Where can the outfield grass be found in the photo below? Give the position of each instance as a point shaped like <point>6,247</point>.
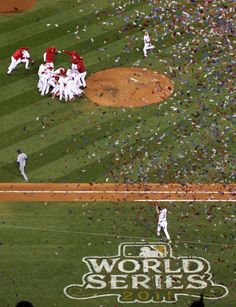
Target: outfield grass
<point>42,245</point>
<point>188,138</point>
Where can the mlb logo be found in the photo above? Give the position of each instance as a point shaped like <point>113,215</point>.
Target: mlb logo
<point>145,250</point>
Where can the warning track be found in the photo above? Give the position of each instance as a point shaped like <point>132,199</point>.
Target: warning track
<point>116,192</point>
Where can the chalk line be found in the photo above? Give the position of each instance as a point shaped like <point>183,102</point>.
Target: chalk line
<point>120,236</point>
<point>112,192</point>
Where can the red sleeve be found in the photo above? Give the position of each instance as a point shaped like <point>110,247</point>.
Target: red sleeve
<point>68,52</point>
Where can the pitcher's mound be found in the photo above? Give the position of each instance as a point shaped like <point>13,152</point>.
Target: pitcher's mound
<point>128,87</point>
<point>15,6</point>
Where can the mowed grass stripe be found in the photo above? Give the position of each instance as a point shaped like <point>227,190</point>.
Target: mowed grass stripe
<point>21,100</point>
<point>7,118</point>
<point>61,138</point>
<point>58,134</point>
<point>62,144</point>
<point>190,135</point>
<point>40,117</point>
<point>12,21</point>
<point>49,13</point>
<point>85,45</point>
<point>96,152</point>
<point>114,48</point>
<point>67,20</point>
<point>180,120</point>
<point>168,157</point>
<point>23,85</point>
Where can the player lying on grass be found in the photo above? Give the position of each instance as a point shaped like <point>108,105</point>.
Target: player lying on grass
<point>162,222</point>
<point>21,55</point>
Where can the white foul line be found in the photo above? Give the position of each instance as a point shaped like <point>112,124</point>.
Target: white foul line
<point>113,192</point>
<point>185,200</point>
<point>120,236</point>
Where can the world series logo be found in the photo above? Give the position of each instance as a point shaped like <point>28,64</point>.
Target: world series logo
<point>146,272</point>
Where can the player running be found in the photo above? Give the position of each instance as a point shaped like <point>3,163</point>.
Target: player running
<point>147,44</point>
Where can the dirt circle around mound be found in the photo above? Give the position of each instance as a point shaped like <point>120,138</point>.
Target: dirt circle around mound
<point>16,6</point>
<point>128,87</point>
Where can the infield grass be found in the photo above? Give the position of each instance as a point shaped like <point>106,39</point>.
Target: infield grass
<point>187,138</point>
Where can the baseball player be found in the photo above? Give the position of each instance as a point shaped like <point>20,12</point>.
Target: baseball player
<point>41,71</point>
<point>62,84</point>
<point>47,81</point>
<point>21,160</point>
<point>49,56</point>
<point>21,55</point>
<point>147,44</point>
<point>162,222</point>
<point>82,73</point>
<point>75,57</point>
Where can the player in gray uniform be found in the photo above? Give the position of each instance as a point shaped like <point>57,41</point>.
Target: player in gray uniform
<point>21,160</point>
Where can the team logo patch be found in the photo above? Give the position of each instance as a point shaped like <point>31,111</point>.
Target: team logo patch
<point>146,272</point>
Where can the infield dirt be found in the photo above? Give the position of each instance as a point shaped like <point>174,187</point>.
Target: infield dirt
<point>128,87</point>
<point>16,6</point>
<point>116,192</point>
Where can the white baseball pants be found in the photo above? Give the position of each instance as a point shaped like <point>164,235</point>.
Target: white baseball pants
<point>163,225</point>
<point>82,78</point>
<point>147,47</point>
<point>13,64</point>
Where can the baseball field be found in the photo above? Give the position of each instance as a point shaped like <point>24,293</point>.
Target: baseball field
<point>157,128</point>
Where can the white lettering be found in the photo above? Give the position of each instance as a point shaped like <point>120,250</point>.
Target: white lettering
<point>135,264</point>
<point>115,279</point>
<point>168,269</point>
<point>151,264</point>
<point>158,279</point>
<point>136,282</point>
<point>201,283</point>
<point>106,264</point>
<point>170,279</point>
<point>96,279</point>
<point>187,263</point>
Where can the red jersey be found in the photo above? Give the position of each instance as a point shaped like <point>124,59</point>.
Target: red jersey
<point>18,53</point>
<point>50,54</point>
<point>80,66</point>
<point>75,58</point>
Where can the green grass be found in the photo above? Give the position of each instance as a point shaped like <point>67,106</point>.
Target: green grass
<point>187,138</point>
<point>42,245</point>
<point>76,141</point>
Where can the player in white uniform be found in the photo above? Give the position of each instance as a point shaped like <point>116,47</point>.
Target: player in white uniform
<point>162,222</point>
<point>147,44</point>
<point>21,160</point>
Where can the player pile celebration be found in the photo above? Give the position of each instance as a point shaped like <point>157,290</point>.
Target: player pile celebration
<point>65,84</point>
